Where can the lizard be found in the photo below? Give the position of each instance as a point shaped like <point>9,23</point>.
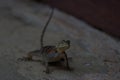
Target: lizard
<point>50,53</point>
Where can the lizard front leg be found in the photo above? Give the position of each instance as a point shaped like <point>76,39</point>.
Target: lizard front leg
<point>47,71</point>
<point>66,61</point>
<point>45,61</point>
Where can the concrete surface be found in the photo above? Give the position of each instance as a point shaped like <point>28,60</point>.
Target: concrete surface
<point>95,55</point>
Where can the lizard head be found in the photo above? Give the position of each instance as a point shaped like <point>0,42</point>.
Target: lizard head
<point>63,45</point>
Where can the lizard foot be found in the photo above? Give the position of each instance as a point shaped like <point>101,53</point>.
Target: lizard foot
<point>24,59</point>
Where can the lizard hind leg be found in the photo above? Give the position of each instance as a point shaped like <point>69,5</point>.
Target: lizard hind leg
<point>30,55</point>
<point>27,58</point>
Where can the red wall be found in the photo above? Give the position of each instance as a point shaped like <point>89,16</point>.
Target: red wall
<point>103,14</point>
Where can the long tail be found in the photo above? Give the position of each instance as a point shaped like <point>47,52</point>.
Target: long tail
<point>44,29</point>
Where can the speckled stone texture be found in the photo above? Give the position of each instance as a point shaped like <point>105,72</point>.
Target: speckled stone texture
<point>94,54</point>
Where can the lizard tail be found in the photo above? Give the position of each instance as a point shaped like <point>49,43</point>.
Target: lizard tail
<point>44,29</point>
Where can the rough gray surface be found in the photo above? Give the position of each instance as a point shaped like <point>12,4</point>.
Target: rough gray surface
<point>21,24</point>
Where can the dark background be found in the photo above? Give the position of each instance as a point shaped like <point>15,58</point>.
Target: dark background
<point>102,14</point>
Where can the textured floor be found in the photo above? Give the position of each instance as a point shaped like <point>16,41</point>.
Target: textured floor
<point>95,55</point>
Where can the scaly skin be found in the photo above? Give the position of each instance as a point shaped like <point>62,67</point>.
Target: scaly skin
<point>51,54</point>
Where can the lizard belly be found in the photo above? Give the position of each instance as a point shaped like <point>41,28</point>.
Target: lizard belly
<point>53,57</point>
